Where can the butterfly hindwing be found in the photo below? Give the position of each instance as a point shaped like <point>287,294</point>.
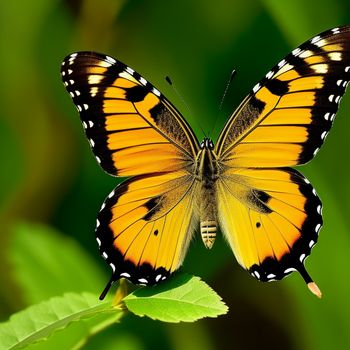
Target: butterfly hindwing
<point>124,117</point>
<point>145,225</point>
<point>271,218</point>
<point>286,118</point>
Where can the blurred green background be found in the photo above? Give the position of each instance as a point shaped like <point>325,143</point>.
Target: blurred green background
<point>52,188</point>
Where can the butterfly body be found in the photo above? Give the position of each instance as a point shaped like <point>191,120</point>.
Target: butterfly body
<point>207,173</point>
<point>269,213</point>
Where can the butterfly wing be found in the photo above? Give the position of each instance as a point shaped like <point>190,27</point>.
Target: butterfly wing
<point>144,226</point>
<point>271,218</point>
<point>282,122</point>
<point>132,128</point>
<point>286,118</point>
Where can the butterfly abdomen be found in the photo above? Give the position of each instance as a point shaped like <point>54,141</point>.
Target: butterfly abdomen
<point>208,232</point>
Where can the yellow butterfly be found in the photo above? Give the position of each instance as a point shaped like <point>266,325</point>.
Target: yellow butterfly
<point>269,213</point>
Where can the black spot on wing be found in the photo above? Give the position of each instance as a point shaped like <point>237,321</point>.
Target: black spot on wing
<point>136,93</point>
<point>259,200</point>
<point>151,207</point>
<point>157,112</point>
<point>277,87</point>
<point>257,104</point>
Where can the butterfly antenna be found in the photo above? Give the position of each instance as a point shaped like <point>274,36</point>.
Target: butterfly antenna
<point>232,75</point>
<point>169,81</point>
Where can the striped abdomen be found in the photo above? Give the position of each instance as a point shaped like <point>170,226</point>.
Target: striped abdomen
<point>208,232</point>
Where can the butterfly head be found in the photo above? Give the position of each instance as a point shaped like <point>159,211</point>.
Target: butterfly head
<point>207,143</point>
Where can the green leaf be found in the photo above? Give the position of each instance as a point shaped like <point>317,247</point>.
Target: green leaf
<point>48,263</point>
<point>182,298</point>
<point>39,322</point>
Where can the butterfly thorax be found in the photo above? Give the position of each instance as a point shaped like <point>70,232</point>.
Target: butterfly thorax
<point>206,175</point>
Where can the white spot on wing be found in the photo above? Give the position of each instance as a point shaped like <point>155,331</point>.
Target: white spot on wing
<point>158,277</point>
<point>104,255</point>
<point>143,81</point>
<point>156,92</point>
<point>111,194</point>
<point>347,68</point>
<point>270,74</point>
<point>111,60</point>
<point>97,223</point>
<point>94,91</point>
<point>317,228</point>
<point>256,87</point>
<point>327,115</point>
<point>112,266</point>
<point>296,51</point>
<point>319,208</point>
<point>92,142</point>
<point>311,244</point>
<point>257,274</point>
<point>323,135</point>
<point>281,63</point>
<point>271,275</point>
<point>315,39</point>
<point>129,70</point>
<point>302,257</point>
<point>330,98</point>
<point>98,241</point>
<point>142,280</point>
<point>290,269</point>
<point>320,68</point>
<point>124,274</point>
<point>335,56</point>
<point>339,82</point>
<point>94,79</point>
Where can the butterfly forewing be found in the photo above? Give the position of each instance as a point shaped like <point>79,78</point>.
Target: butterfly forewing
<point>286,118</point>
<point>124,117</point>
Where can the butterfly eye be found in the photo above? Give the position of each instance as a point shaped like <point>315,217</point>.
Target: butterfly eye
<point>202,145</point>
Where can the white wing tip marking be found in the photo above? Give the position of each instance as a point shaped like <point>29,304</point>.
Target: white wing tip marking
<point>125,274</point>
<point>256,88</point>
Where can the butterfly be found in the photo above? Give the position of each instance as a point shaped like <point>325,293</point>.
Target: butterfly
<point>269,212</point>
